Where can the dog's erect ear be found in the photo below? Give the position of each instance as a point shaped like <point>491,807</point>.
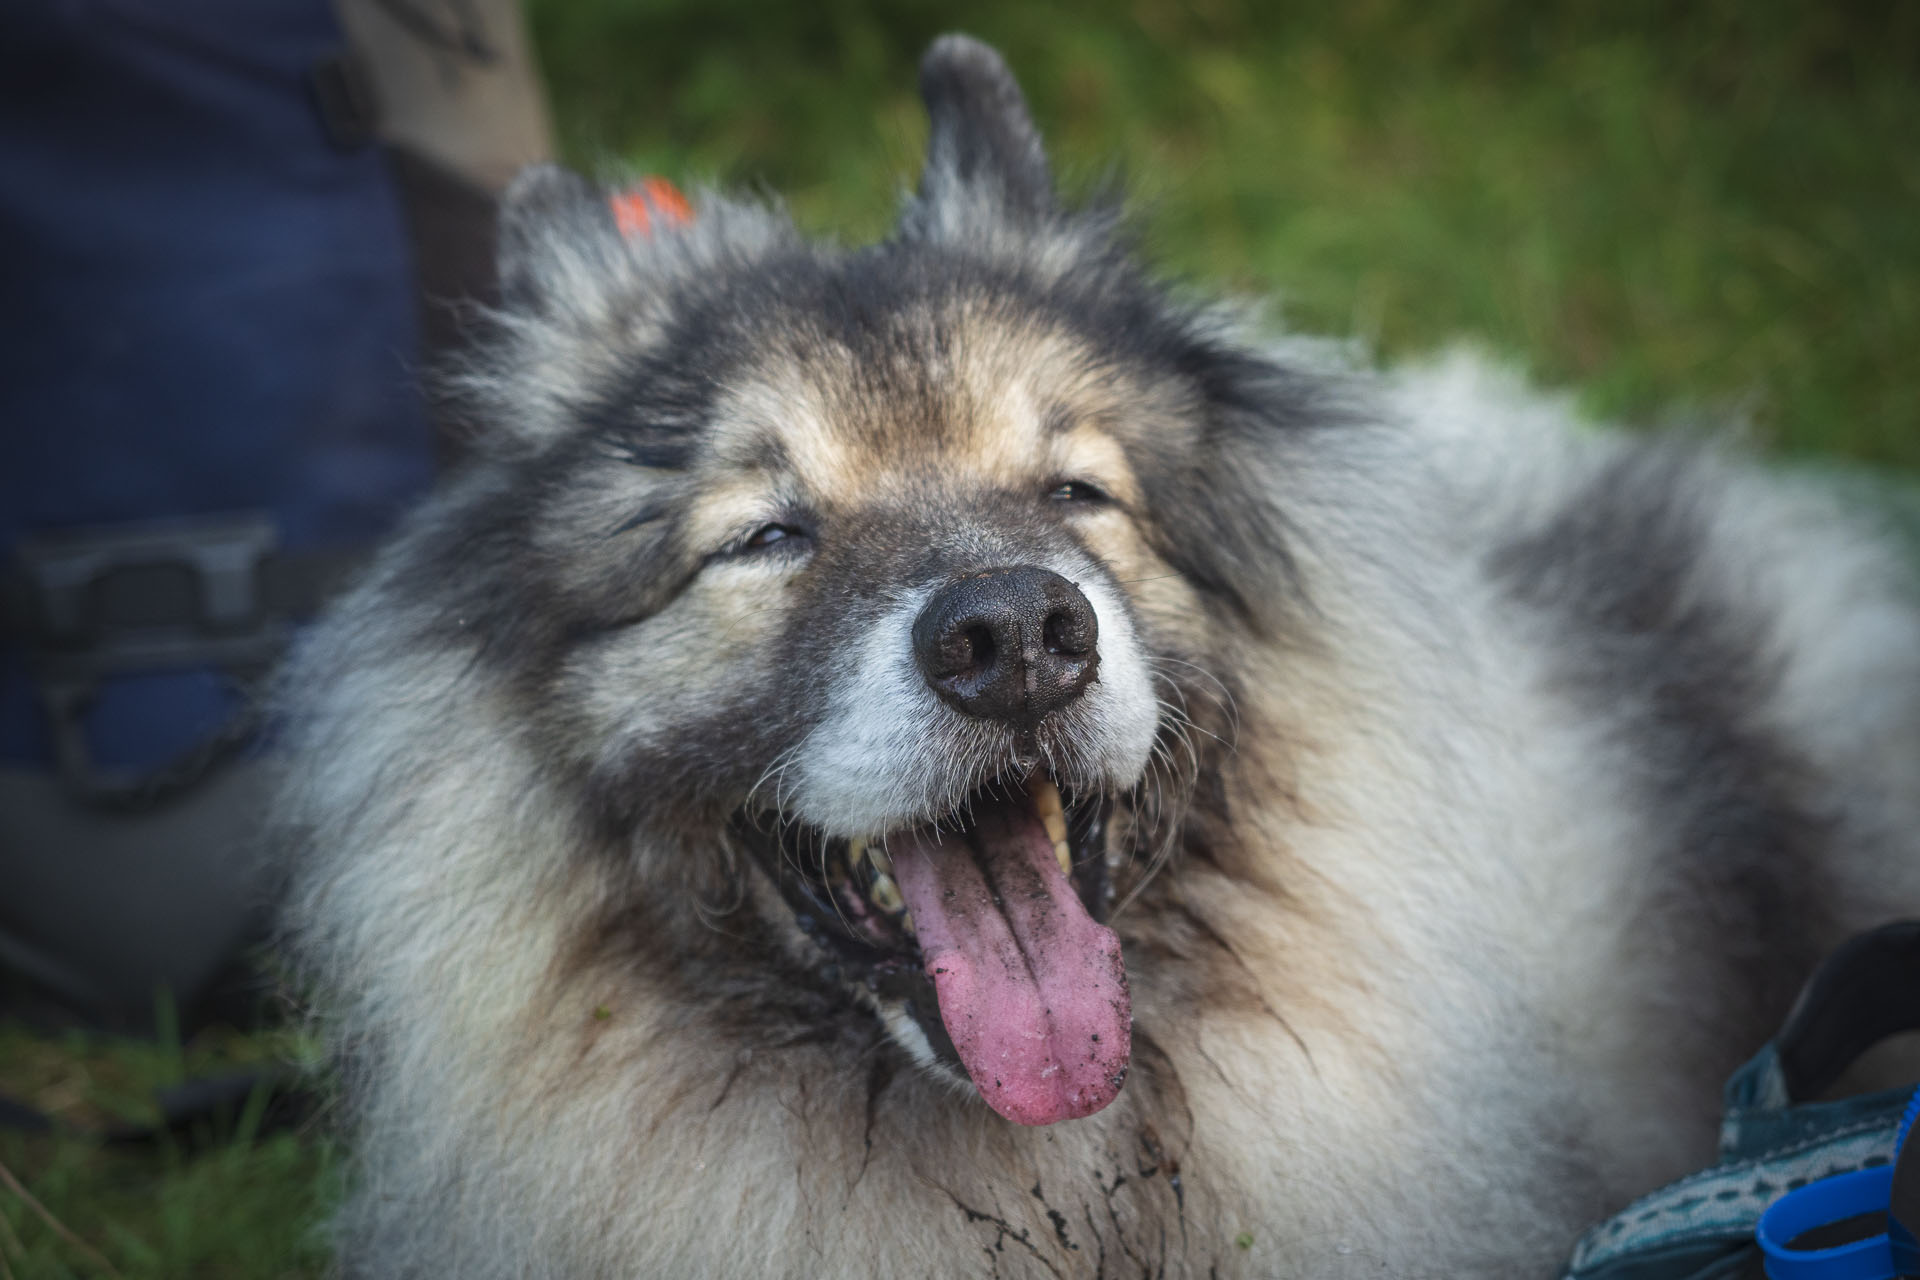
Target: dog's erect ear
<point>560,248</point>
<point>984,157</point>
<point>569,287</point>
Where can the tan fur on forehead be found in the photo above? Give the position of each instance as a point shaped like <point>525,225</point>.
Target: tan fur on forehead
<point>790,406</point>
<point>1000,402</point>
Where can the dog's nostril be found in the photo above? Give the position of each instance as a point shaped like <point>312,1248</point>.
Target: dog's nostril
<point>980,647</point>
<point>955,651</point>
<point>1067,633</point>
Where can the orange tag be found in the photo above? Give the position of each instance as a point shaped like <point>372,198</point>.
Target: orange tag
<point>635,208</point>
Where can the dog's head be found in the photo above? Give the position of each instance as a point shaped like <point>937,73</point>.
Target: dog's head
<point>893,574</point>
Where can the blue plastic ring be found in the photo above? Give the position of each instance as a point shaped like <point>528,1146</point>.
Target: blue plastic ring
<point>1832,1199</point>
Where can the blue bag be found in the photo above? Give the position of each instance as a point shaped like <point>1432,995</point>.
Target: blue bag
<point>209,405</point>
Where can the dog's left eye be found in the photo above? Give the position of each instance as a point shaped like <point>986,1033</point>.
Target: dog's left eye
<point>1077,491</point>
<point>772,535</point>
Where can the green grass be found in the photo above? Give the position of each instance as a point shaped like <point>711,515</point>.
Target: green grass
<point>1710,208</point>
<point>223,1205</point>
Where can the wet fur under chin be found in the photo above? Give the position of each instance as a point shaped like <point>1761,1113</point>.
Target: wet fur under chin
<point>1556,758</point>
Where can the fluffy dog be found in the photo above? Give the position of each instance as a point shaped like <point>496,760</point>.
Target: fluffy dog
<point>944,758</point>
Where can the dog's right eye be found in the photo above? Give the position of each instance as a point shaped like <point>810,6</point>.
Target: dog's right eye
<point>1078,491</point>
<point>776,540</point>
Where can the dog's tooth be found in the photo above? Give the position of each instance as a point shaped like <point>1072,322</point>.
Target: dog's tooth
<point>1063,856</point>
<point>1046,802</point>
<point>886,894</point>
<point>878,857</point>
<point>906,923</point>
<point>856,851</point>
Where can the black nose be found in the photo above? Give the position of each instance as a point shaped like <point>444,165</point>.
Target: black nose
<point>1009,644</point>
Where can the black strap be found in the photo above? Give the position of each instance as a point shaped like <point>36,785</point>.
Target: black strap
<point>199,1111</point>
<point>17,1115</point>
<point>343,99</point>
<point>1865,991</point>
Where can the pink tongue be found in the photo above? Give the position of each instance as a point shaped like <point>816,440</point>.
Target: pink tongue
<point>1033,992</point>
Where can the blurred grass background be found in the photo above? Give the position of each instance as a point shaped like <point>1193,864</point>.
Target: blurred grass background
<point>217,1204</point>
<point>1711,208</point>
<point>1665,206</point>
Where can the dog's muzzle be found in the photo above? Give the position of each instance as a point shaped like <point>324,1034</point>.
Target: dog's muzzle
<point>982,911</point>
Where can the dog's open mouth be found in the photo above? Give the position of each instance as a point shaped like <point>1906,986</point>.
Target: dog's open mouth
<point>990,917</point>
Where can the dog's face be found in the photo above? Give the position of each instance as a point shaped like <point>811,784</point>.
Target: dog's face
<point>904,622</point>
<point>899,570</point>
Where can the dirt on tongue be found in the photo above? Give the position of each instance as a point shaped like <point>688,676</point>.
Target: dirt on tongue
<point>1032,991</point>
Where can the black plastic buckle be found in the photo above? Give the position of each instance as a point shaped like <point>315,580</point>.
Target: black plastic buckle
<point>129,598</point>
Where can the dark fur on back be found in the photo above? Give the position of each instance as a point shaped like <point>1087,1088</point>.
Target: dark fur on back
<point>1683,671</point>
